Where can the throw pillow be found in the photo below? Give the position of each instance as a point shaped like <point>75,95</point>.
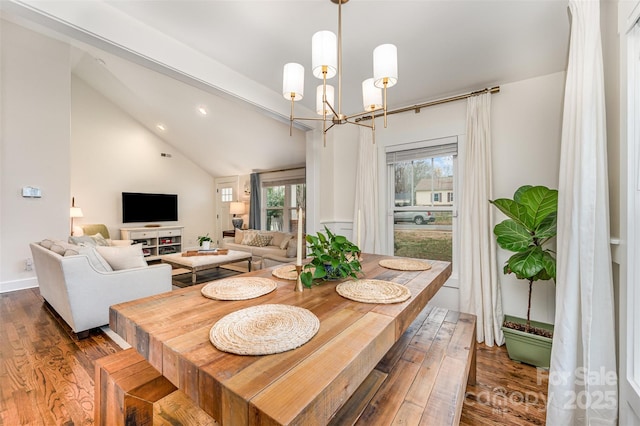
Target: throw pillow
<point>277,238</point>
<point>98,262</point>
<point>71,252</point>
<point>84,241</point>
<point>58,248</point>
<point>123,257</point>
<point>46,243</point>
<point>238,236</point>
<point>89,240</point>
<point>248,237</point>
<point>285,242</point>
<point>261,240</point>
<point>292,247</point>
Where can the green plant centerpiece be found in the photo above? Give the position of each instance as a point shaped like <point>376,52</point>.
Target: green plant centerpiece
<point>203,238</point>
<point>332,257</point>
<point>533,214</point>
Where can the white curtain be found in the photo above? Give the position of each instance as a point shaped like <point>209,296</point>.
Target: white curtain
<point>479,289</point>
<point>584,335</point>
<point>365,212</point>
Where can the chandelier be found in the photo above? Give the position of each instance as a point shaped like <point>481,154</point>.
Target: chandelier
<point>326,61</point>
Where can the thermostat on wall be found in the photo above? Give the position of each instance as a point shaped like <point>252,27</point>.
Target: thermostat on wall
<point>31,192</point>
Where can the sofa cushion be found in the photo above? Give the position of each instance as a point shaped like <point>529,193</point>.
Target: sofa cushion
<point>261,240</point>
<point>272,250</point>
<point>285,241</point>
<point>238,236</point>
<point>123,257</point>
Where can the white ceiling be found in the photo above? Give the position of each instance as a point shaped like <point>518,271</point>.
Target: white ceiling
<point>444,47</point>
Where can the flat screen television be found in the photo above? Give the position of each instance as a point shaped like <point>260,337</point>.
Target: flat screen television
<point>141,207</point>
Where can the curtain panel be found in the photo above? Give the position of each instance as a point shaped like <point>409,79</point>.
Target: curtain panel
<point>582,376</point>
<point>479,288</point>
<point>254,205</point>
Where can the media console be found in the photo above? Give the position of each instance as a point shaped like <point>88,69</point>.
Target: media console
<point>156,241</point>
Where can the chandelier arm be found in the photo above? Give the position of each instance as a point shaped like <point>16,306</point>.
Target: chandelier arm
<point>360,124</point>
<point>360,114</point>
<point>308,118</point>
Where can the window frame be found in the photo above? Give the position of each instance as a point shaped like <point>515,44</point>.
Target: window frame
<point>436,144</point>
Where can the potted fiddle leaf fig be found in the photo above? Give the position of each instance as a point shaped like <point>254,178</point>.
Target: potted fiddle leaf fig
<point>529,232</point>
<point>332,256</point>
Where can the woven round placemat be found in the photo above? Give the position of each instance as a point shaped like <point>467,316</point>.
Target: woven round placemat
<point>238,288</point>
<point>287,272</point>
<point>405,264</point>
<point>264,329</point>
<point>373,291</point>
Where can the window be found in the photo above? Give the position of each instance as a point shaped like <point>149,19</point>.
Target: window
<point>226,195</point>
<point>423,223</point>
<point>282,194</point>
<point>282,202</point>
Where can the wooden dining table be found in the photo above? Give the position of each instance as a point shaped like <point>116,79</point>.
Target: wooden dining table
<point>306,385</point>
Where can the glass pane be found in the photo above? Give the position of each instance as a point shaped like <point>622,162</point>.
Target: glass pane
<point>423,234</point>
<point>275,196</point>
<point>274,220</point>
<point>418,232</point>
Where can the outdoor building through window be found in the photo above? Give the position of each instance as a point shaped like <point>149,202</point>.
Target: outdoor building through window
<point>423,182</point>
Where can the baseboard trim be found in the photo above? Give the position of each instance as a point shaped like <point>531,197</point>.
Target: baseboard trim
<point>7,286</point>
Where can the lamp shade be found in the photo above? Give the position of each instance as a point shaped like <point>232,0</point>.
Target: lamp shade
<point>385,65</point>
<point>371,96</point>
<point>75,212</point>
<point>324,52</point>
<point>320,104</point>
<point>293,81</point>
<point>236,207</point>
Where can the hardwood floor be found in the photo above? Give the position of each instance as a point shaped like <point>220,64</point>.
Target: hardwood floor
<point>47,376</point>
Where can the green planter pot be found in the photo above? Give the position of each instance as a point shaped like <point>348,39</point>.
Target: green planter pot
<point>525,347</point>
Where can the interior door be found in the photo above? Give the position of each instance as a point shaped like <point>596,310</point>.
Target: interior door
<point>226,192</point>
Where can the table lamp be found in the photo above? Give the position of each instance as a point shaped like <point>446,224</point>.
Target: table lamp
<point>74,212</point>
<point>235,208</point>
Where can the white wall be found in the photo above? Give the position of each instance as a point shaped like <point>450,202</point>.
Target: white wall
<point>34,147</point>
<point>111,153</point>
<point>526,125</point>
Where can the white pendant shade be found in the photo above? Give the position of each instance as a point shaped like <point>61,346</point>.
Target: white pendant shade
<point>385,65</point>
<point>371,95</point>
<point>320,104</point>
<point>324,52</point>
<point>293,81</point>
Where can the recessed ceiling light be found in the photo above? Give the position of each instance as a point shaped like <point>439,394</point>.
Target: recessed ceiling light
<point>161,127</point>
<point>203,110</point>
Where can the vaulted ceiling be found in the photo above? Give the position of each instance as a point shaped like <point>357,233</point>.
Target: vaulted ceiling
<point>444,48</point>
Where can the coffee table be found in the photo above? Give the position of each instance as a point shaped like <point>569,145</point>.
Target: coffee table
<point>204,262</point>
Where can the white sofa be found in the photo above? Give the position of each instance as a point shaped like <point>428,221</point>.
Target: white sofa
<point>280,249</point>
<point>82,295</point>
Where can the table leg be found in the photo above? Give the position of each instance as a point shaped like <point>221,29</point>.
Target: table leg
<point>193,276</point>
<point>249,263</point>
